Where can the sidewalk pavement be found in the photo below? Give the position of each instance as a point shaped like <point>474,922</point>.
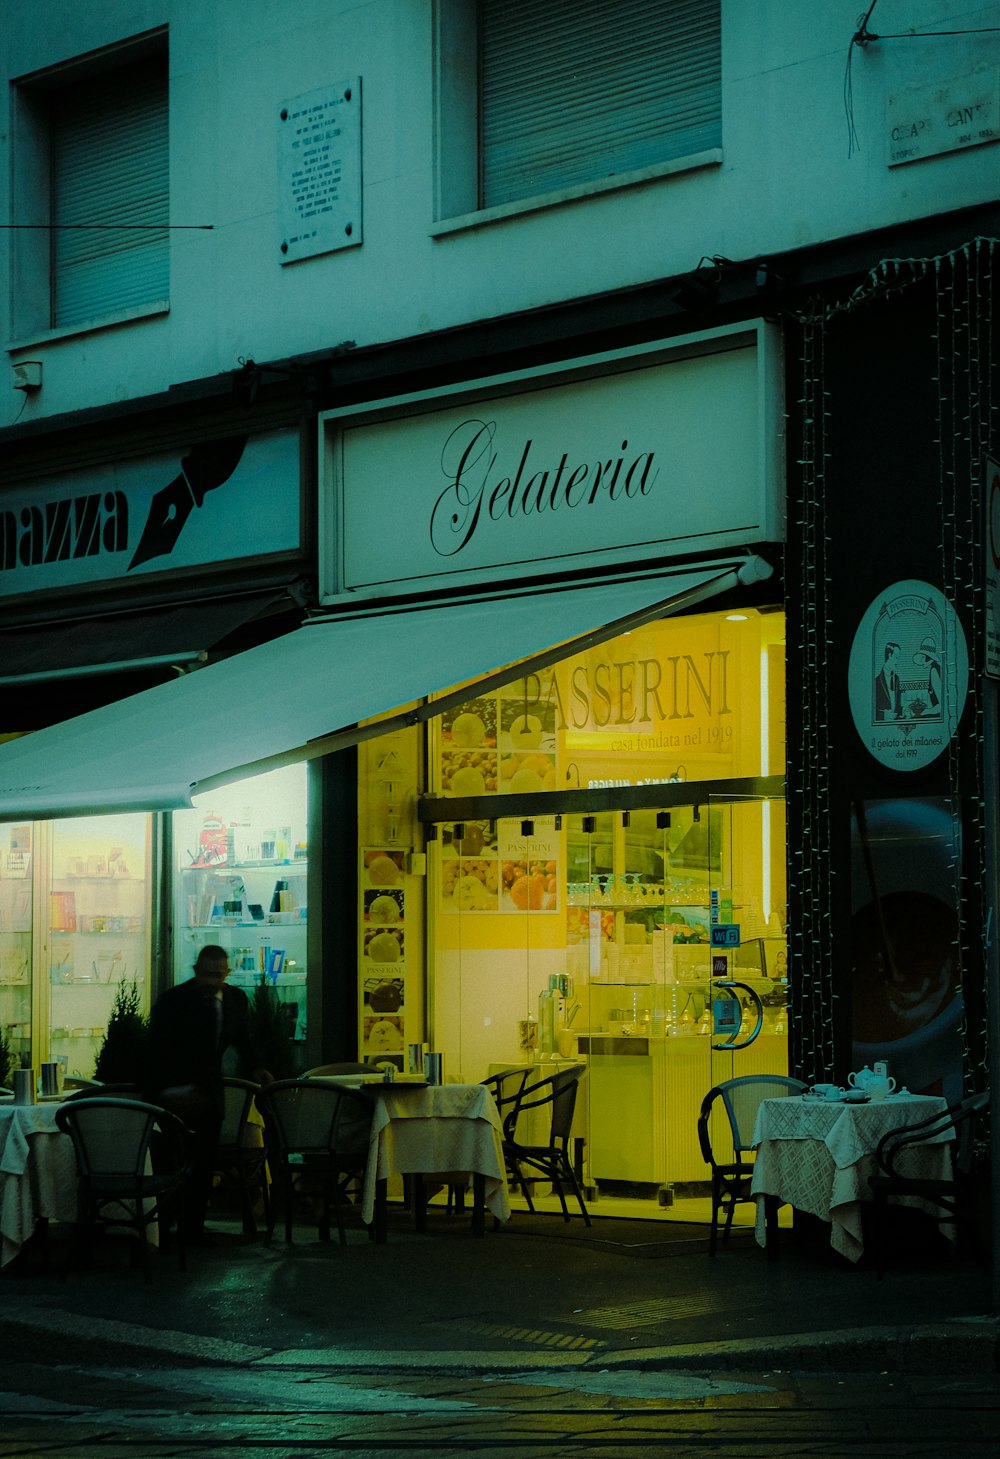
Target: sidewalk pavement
<point>536,1293</point>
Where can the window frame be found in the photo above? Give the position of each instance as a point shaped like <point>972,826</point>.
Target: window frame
<point>31,255</point>
<point>457,139</point>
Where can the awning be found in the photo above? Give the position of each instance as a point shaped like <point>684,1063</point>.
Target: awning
<point>303,695</point>
<point>117,642</point>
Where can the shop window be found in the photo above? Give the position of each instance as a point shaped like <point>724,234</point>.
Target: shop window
<point>573,95</point>
<point>91,170</point>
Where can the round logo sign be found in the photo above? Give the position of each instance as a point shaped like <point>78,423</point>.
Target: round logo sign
<point>909,675</point>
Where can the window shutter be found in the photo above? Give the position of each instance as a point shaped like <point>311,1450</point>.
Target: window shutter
<point>109,168</point>
<point>576,90</point>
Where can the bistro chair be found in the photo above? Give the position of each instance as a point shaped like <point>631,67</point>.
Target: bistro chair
<point>328,1071</point>
<point>241,1157</point>
<point>103,1091</point>
<point>317,1138</point>
<point>132,1160</point>
<point>740,1099</point>
<point>948,1202</point>
<point>506,1089</point>
<point>550,1161</point>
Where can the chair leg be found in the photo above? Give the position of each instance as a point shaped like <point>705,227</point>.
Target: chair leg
<point>713,1235</point>
<point>574,1185</point>
<point>771,1239</point>
<point>878,1212</point>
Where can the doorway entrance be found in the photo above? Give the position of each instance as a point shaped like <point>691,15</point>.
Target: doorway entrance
<point>647,945</point>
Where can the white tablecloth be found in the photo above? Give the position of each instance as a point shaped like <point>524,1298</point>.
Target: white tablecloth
<point>436,1130</point>
<point>37,1173</point>
<point>817,1156</point>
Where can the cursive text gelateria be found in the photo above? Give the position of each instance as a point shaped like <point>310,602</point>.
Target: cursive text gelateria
<point>476,493</point>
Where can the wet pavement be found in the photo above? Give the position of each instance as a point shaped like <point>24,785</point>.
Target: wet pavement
<point>539,1339</point>
<point>535,1286</point>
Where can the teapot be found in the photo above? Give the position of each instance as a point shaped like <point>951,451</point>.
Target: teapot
<point>870,1082</point>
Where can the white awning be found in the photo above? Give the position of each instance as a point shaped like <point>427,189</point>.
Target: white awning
<point>303,695</point>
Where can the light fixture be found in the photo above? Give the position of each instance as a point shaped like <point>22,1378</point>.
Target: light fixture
<point>696,813</point>
<point>626,818</point>
<point>589,825</point>
<point>736,617</point>
<point>527,828</point>
<point>663,820</point>
<point>558,823</point>
<point>458,831</point>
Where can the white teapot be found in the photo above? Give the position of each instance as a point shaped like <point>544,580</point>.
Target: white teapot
<point>869,1082</point>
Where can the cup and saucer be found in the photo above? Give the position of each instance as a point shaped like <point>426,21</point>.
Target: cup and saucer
<point>830,1093</point>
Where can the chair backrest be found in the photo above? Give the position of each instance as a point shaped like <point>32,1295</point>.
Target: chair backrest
<point>506,1089</point>
<point>959,1121</point>
<point>315,1117</point>
<point>560,1091</point>
<point>106,1091</point>
<point>741,1099</point>
<point>112,1137</point>
<point>325,1070</point>
<point>238,1095</point>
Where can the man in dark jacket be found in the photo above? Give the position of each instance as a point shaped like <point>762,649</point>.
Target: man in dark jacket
<point>191,1027</point>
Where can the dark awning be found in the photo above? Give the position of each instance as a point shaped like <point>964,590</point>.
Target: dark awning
<point>117,642</point>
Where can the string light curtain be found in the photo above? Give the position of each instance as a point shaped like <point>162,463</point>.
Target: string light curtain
<point>960,285</point>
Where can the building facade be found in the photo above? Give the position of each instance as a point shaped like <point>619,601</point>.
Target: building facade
<point>492,408</point>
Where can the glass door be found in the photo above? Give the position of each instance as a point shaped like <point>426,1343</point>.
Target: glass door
<point>749,961</point>
<point>240,882</point>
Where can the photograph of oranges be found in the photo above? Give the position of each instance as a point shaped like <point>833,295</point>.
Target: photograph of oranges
<point>529,886</point>
<point>525,772</point>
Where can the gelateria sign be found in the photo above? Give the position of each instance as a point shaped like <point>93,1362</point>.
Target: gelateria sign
<point>616,459</point>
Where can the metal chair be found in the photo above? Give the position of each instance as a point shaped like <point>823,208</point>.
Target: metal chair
<point>326,1071</point>
<point>131,1159</point>
<point>104,1091</point>
<point>241,1156</point>
<point>317,1138</point>
<point>506,1089</point>
<point>953,1198</point>
<point>740,1099</point>
<point>550,1161</point>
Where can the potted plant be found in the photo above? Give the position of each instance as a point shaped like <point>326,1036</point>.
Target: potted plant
<point>271,1044</point>
<point>122,1054</point>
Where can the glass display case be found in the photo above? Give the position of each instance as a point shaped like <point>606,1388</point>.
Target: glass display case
<point>240,882</point>
<point>75,923</point>
<point>15,940</point>
<point>99,916</point>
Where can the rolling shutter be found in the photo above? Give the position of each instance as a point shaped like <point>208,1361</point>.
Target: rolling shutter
<point>576,90</point>
<point>110,199</point>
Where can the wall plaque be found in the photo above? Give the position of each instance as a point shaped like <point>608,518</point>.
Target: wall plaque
<point>319,172</point>
<point>923,121</point>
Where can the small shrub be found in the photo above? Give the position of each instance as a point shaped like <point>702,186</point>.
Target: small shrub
<point>122,1054</point>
